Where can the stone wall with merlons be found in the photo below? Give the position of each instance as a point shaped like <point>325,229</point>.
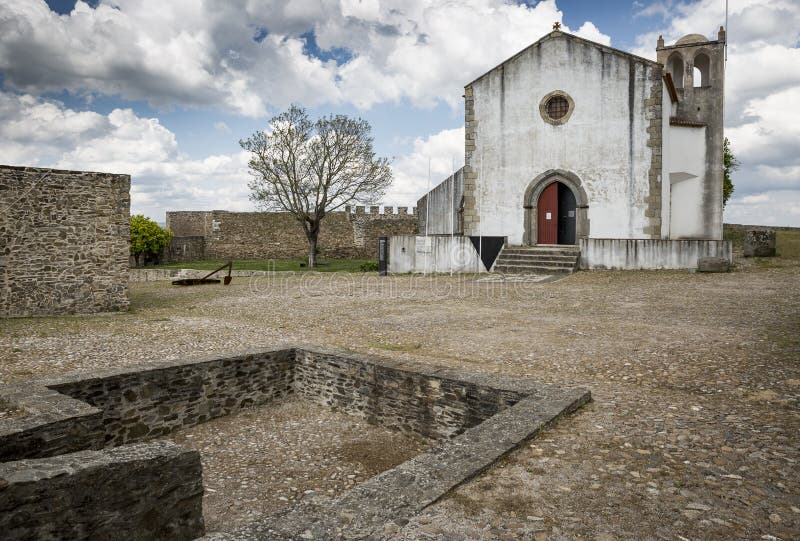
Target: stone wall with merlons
<point>278,235</point>
<point>64,241</point>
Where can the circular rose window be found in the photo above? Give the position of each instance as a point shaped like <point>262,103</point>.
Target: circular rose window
<point>556,107</point>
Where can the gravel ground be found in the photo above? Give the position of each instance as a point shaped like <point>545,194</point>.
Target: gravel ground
<point>263,460</point>
<point>694,432</point>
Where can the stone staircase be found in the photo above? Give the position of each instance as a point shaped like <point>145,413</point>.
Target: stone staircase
<point>543,259</point>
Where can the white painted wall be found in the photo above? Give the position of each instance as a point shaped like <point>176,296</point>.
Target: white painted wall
<point>420,254</point>
<point>599,143</point>
<point>633,254</point>
<point>685,154</point>
<point>667,105</point>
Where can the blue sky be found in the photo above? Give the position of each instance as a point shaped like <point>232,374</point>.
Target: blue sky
<point>164,90</point>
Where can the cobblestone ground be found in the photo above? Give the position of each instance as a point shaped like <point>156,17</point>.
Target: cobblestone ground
<point>694,432</point>
<point>263,460</point>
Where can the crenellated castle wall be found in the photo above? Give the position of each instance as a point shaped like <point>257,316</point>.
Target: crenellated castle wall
<point>219,234</point>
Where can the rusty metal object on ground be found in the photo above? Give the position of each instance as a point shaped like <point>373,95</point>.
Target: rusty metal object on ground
<point>207,278</point>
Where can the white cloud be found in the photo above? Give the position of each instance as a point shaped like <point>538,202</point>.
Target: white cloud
<point>44,133</point>
<point>189,53</point>
<point>163,178</point>
<point>761,209</point>
<point>222,127</point>
<point>443,151</point>
<point>750,199</point>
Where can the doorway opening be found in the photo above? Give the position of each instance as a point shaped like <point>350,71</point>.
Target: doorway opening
<point>556,215</point>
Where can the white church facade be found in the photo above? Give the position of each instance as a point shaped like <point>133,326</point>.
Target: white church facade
<point>574,143</point>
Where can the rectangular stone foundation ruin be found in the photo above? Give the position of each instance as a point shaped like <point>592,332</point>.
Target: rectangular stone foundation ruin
<point>79,461</point>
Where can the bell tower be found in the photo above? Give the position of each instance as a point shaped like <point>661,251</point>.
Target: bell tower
<point>696,67</point>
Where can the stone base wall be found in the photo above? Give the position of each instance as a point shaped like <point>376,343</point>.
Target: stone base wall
<point>633,254</point>
<point>64,241</point>
<point>278,235</point>
<point>146,491</point>
<point>434,254</point>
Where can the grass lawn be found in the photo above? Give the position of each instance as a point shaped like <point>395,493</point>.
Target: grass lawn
<point>323,265</point>
<point>787,242</point>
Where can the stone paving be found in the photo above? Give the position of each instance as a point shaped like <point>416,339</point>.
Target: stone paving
<point>693,432</point>
<point>294,450</point>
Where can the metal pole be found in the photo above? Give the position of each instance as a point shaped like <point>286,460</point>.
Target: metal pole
<point>480,212</point>
<point>453,196</point>
<point>427,218</point>
<point>428,199</point>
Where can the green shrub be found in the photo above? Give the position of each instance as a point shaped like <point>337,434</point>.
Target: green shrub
<point>369,266</point>
<point>148,238</point>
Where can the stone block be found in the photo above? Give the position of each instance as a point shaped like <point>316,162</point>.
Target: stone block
<point>759,243</point>
<point>713,264</point>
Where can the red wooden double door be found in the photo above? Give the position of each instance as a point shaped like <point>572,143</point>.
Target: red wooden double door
<point>555,211</point>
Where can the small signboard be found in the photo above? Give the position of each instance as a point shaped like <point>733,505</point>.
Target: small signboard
<point>549,216</point>
<point>424,245</point>
<point>383,262</point>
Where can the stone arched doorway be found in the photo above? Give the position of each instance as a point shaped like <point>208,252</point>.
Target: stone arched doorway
<point>562,189</point>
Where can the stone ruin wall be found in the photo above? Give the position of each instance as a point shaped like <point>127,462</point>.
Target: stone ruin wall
<point>221,234</point>
<point>64,241</point>
<point>95,429</point>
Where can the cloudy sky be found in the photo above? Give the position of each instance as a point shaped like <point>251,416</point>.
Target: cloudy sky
<point>164,89</point>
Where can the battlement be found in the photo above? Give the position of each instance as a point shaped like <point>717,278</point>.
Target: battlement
<point>376,210</point>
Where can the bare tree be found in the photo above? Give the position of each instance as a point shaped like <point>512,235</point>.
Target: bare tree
<point>312,168</point>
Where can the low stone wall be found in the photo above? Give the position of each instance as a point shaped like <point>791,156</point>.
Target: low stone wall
<point>83,425</point>
<point>64,241</point>
<point>378,507</point>
<point>633,254</point>
<point>144,491</point>
<point>142,403</point>
<point>54,423</point>
<point>157,275</point>
<point>398,396</point>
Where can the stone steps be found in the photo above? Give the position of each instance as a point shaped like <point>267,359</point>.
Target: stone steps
<point>537,260</point>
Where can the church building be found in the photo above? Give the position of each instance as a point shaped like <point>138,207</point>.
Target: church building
<point>576,144</point>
